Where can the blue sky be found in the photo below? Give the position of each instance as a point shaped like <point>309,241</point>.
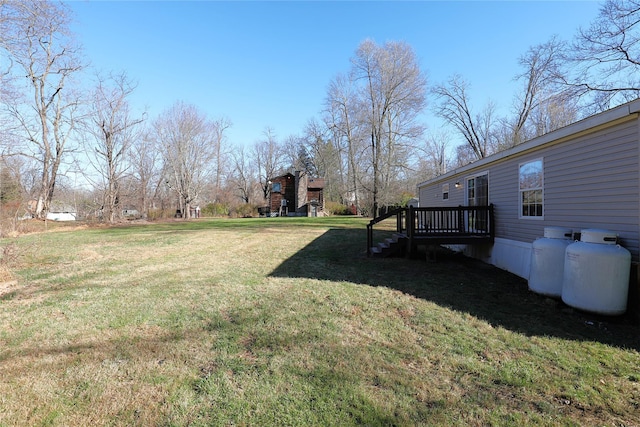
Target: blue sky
<point>265,64</point>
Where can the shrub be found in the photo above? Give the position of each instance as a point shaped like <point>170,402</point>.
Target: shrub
<point>154,214</point>
<point>246,210</point>
<point>215,209</point>
<point>335,208</point>
<point>404,199</point>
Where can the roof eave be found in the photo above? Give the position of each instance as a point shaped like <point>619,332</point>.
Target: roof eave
<point>576,128</point>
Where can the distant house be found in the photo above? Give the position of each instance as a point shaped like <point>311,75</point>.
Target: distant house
<point>62,213</point>
<point>313,204</point>
<point>585,175</point>
<point>58,211</point>
<point>131,213</point>
<point>296,195</point>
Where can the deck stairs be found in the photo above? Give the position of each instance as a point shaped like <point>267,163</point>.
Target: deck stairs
<point>459,225</point>
<point>394,246</point>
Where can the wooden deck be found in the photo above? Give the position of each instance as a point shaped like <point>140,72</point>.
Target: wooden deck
<point>469,225</point>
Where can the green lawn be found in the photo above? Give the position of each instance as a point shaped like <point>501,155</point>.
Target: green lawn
<point>285,321</point>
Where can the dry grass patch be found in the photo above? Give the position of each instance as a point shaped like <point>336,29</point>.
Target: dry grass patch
<point>8,284</point>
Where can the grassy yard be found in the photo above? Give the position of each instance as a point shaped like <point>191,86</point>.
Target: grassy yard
<point>285,321</point>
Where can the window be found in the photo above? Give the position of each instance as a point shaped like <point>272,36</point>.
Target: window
<point>445,191</point>
<point>531,189</point>
<point>276,187</point>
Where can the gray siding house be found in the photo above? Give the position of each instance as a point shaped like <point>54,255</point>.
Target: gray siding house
<point>585,175</point>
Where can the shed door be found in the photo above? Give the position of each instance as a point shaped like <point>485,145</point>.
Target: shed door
<point>477,195</point>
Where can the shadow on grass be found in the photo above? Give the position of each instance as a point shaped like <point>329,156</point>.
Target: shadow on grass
<point>459,283</point>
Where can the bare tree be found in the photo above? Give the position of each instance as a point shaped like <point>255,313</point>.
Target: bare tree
<point>541,71</point>
<point>243,176</point>
<point>186,139</point>
<point>113,129</point>
<point>464,155</point>
<point>268,158</point>
<point>554,112</point>
<point>145,159</point>
<point>436,162</point>
<point>325,156</point>
<point>312,142</point>
<point>454,108</point>
<point>46,58</point>
<point>221,155</point>
<point>11,17</point>
<point>12,192</point>
<point>295,154</point>
<point>605,57</point>
<point>392,95</point>
<point>346,128</point>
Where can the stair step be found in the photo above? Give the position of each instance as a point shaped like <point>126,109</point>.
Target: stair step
<point>391,246</point>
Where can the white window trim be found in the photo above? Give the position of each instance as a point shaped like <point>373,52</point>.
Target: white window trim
<point>530,218</point>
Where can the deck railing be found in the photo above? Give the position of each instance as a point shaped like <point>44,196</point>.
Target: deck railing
<point>455,224</point>
<point>459,221</point>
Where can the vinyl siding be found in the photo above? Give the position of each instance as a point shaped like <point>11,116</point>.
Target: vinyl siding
<point>432,196</point>
<point>590,181</point>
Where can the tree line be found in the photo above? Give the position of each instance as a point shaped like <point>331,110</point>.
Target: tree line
<point>369,141</point>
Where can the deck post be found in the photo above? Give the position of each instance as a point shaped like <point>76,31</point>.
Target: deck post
<point>492,229</point>
<point>411,222</point>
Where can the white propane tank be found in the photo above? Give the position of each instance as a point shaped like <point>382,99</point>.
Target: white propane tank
<point>596,273</point>
<point>547,261</point>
